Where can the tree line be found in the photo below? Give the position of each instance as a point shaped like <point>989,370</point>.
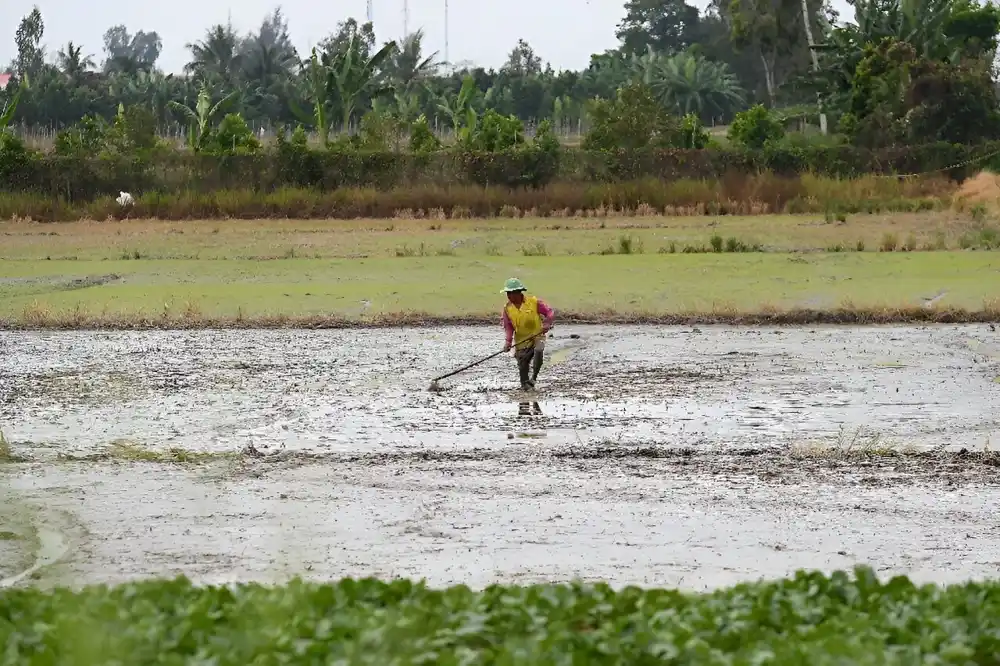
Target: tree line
<point>904,71</point>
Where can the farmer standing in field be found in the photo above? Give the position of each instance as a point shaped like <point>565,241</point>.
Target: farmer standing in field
<point>526,320</point>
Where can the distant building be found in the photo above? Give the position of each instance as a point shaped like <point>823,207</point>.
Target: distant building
<point>4,80</point>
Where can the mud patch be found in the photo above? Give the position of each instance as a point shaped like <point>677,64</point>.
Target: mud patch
<point>89,281</point>
<point>682,521</point>
<point>19,539</point>
<point>56,283</point>
<point>366,391</point>
<point>77,387</point>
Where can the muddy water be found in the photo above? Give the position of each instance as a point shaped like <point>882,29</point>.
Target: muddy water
<point>366,390</point>
<point>664,456</point>
<point>630,521</point>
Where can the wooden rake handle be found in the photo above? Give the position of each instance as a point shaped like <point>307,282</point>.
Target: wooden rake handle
<point>482,360</point>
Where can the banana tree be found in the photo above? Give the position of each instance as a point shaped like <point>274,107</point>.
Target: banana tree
<point>352,76</point>
<point>317,88</point>
<point>203,116</point>
<point>460,108</point>
<point>9,107</point>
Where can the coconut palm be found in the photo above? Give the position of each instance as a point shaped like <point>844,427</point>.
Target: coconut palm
<point>216,58</point>
<point>73,63</point>
<point>268,55</point>
<point>408,68</point>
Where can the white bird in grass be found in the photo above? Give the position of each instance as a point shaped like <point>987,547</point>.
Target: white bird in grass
<point>125,199</point>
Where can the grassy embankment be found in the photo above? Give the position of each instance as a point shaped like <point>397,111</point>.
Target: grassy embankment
<point>147,273</point>
<point>809,618</point>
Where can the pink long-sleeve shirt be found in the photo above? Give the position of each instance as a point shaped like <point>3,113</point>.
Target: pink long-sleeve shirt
<point>508,325</point>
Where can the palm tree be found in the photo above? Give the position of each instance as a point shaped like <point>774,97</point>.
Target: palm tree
<point>407,68</point>
<point>73,63</point>
<point>351,76</point>
<point>687,83</point>
<point>216,58</point>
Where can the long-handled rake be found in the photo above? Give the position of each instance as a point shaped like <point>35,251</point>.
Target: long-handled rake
<point>434,382</point>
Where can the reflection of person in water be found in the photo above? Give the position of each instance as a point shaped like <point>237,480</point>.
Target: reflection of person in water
<point>529,409</point>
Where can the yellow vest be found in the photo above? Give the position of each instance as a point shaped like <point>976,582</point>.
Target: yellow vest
<point>526,320</point>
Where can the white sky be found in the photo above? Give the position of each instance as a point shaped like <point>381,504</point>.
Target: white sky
<point>563,32</point>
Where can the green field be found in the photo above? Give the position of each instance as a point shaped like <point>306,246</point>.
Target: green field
<point>69,274</point>
<point>493,237</point>
<point>457,286</point>
<point>811,618</point>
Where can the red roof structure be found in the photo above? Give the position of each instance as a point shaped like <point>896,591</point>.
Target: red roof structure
<point>4,80</point>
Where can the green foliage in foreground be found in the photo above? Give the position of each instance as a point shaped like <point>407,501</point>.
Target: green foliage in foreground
<point>811,618</point>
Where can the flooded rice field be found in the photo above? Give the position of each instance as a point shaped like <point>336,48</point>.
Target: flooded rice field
<point>659,456</point>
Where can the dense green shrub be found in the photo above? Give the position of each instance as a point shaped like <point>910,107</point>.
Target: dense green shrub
<point>292,163</point>
<point>899,96</point>
<point>692,133</point>
<point>756,128</point>
<point>422,137</point>
<point>232,137</point>
<point>822,620</point>
<point>633,120</point>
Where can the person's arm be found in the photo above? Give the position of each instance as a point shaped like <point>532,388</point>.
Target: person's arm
<point>508,330</point>
<point>548,315</point>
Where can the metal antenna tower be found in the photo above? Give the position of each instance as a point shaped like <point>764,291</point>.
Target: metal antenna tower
<point>446,61</point>
<point>406,18</point>
<point>371,11</point>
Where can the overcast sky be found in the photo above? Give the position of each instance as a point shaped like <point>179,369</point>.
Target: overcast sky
<point>562,32</point>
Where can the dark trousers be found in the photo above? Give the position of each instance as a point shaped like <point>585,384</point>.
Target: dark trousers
<point>528,359</point>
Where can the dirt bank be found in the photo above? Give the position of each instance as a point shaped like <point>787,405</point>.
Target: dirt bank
<point>73,320</point>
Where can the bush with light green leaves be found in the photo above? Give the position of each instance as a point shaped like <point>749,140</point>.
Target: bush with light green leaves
<point>811,618</point>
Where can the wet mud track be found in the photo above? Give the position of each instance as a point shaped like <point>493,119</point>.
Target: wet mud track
<point>668,456</point>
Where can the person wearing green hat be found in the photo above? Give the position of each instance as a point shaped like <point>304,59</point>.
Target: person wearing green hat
<point>526,321</point>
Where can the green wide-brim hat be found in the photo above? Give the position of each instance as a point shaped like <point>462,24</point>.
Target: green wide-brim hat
<point>513,284</point>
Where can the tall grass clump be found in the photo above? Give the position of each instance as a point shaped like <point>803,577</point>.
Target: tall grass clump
<point>627,244</point>
<point>6,451</point>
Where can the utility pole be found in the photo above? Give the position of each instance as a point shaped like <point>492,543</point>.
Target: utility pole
<point>815,59</point>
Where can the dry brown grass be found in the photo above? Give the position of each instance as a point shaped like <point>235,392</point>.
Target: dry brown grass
<point>39,317</point>
<point>981,190</point>
<point>733,194</point>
